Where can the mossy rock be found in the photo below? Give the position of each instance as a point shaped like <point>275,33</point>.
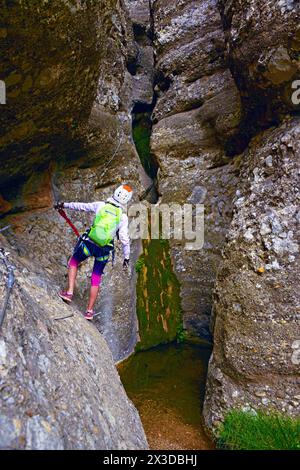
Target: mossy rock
<point>158,296</point>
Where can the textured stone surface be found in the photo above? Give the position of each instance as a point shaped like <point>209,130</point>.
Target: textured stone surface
<point>59,386</point>
<point>257,299</point>
<point>50,64</point>
<point>190,64</point>
<point>217,74</point>
<point>100,156</point>
<point>198,108</point>
<point>142,65</point>
<point>263,44</point>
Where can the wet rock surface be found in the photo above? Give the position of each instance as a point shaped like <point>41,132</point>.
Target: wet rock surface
<point>59,387</point>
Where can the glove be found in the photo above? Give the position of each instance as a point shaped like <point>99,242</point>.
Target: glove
<point>126,263</point>
<point>58,205</point>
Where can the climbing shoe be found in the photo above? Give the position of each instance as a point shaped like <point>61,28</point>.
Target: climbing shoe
<point>89,315</point>
<point>66,296</point>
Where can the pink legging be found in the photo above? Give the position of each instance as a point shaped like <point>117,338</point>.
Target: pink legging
<point>97,270</point>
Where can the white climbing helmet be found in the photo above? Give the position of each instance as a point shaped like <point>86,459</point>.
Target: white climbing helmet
<point>123,194</point>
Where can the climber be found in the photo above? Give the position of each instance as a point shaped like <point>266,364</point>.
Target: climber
<point>97,242</point>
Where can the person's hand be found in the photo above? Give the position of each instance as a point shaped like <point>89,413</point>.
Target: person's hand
<point>126,264</point>
<point>58,206</point>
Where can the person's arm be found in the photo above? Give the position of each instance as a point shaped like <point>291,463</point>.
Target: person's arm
<point>124,236</point>
<point>83,206</point>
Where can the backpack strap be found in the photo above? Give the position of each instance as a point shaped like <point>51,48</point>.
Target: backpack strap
<point>115,205</point>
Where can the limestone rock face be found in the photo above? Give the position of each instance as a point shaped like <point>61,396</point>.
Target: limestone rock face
<point>263,43</point>
<point>142,67</point>
<point>203,79</point>
<point>190,65</point>
<point>197,109</point>
<point>255,361</point>
<point>50,65</point>
<point>100,155</point>
<point>256,333</point>
<point>59,387</point>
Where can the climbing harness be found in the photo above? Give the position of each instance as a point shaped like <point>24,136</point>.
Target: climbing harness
<point>85,237</point>
<point>9,284</point>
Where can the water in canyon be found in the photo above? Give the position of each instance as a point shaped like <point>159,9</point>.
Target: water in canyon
<point>167,386</point>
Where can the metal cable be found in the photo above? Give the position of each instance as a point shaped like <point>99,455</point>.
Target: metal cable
<point>63,318</point>
<point>9,284</point>
<point>111,158</point>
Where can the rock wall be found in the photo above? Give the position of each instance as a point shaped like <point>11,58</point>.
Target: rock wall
<point>196,112</point>
<point>59,387</point>
<point>262,40</point>
<point>51,55</point>
<point>86,161</point>
<point>209,83</point>
<point>68,78</point>
<point>256,297</point>
<point>256,333</point>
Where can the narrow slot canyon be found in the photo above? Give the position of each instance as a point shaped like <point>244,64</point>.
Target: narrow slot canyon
<point>188,103</point>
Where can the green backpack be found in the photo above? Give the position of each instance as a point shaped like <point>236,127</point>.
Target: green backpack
<point>105,224</point>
